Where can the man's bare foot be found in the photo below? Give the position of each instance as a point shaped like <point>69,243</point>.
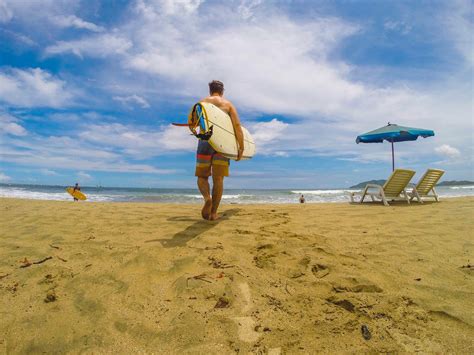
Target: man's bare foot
<point>206,210</point>
<point>214,216</point>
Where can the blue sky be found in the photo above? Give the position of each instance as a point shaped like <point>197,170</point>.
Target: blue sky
<point>88,89</point>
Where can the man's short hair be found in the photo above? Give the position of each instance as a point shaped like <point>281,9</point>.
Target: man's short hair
<point>216,86</point>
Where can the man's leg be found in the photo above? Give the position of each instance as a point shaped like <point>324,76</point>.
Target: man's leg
<point>203,185</point>
<point>217,190</point>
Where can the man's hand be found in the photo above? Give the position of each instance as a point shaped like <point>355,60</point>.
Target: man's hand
<point>239,135</point>
<point>239,153</point>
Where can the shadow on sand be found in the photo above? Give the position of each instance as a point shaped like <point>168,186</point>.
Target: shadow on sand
<point>181,238</point>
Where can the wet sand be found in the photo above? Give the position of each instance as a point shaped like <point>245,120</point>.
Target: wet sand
<point>123,277</point>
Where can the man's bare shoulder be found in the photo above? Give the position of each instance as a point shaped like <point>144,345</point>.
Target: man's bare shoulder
<point>223,104</point>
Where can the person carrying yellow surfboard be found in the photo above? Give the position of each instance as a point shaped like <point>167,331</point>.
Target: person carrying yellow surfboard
<point>76,188</point>
<point>209,162</point>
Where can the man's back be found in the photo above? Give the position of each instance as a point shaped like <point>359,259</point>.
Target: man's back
<point>219,101</point>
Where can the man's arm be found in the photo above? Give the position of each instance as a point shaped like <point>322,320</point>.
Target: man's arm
<point>238,130</point>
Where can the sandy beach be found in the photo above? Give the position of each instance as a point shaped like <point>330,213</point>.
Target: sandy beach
<point>266,279</point>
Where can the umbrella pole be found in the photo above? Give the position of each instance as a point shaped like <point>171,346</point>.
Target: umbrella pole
<point>393,159</point>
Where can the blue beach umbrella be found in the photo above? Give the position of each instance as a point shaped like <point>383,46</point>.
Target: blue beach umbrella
<point>394,133</point>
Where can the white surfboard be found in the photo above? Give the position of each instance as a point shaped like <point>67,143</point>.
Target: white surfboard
<point>223,138</point>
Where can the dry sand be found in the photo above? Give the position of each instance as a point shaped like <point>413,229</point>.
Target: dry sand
<point>265,279</point>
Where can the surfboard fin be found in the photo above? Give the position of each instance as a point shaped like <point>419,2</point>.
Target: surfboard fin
<point>204,136</point>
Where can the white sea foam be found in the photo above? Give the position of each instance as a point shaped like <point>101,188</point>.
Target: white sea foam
<point>223,196</point>
<point>34,195</point>
<point>233,196</point>
<point>321,192</point>
<point>24,193</point>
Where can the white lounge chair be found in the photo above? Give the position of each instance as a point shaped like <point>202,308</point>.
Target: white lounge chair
<point>393,189</point>
<point>425,187</point>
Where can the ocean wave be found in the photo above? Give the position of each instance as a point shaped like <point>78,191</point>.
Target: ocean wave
<point>223,196</point>
<point>179,196</point>
<point>23,193</point>
<point>321,192</point>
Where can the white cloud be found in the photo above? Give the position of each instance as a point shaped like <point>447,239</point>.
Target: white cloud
<point>8,125</point>
<point>281,154</point>
<point>4,178</point>
<point>140,143</point>
<point>266,136</point>
<point>76,22</point>
<point>34,12</point>
<point>154,8</point>
<point>48,172</point>
<point>398,26</point>
<point>70,153</point>
<point>6,14</point>
<point>101,45</point>
<point>19,38</point>
<point>317,85</point>
<point>460,25</point>
<point>247,7</point>
<point>264,132</point>
<point>33,87</point>
<point>83,176</point>
<point>448,151</point>
<point>132,99</point>
<point>177,139</point>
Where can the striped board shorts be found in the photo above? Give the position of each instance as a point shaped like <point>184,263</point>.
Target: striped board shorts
<point>209,162</point>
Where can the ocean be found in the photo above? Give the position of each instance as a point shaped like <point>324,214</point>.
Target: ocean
<point>237,196</point>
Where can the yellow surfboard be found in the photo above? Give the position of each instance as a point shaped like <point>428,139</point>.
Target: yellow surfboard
<point>77,194</point>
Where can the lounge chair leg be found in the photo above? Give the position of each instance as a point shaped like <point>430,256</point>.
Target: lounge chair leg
<point>414,194</point>
<point>435,195</point>
<point>363,195</point>
<point>406,196</point>
<point>382,196</point>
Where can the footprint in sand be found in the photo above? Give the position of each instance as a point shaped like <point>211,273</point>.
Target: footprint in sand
<point>246,330</point>
<point>245,290</point>
<point>246,325</point>
<point>356,285</point>
<point>264,258</point>
<point>320,270</point>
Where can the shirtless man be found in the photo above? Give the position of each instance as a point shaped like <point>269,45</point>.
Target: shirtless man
<point>209,162</point>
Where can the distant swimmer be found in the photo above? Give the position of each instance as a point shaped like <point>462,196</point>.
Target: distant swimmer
<point>302,199</point>
<point>210,162</point>
<point>76,188</point>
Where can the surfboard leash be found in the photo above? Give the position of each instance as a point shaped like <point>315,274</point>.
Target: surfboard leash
<point>192,124</point>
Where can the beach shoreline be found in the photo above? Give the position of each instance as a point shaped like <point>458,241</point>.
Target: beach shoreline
<point>268,278</point>
<point>193,196</point>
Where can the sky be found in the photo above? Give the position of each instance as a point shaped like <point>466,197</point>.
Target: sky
<point>88,89</point>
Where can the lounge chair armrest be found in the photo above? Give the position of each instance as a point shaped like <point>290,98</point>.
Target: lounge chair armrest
<point>373,186</point>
